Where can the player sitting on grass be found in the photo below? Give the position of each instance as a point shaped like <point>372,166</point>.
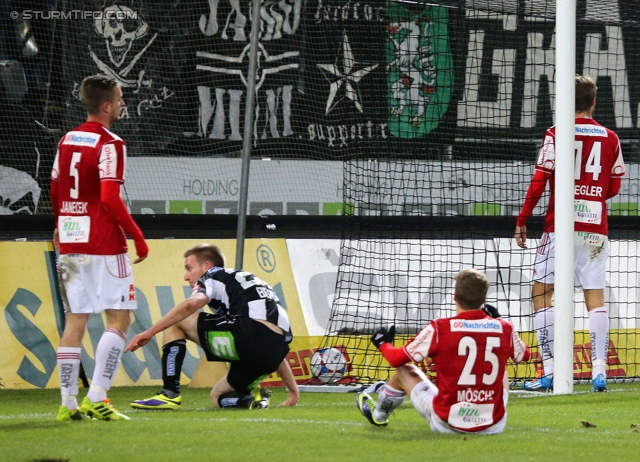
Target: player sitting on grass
<point>250,330</point>
<point>470,353</point>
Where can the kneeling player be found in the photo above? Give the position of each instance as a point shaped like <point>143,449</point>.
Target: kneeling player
<point>470,353</point>
<point>250,330</point>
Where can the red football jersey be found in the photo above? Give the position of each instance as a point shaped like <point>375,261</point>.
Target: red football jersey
<point>86,156</point>
<point>469,352</point>
<point>598,158</point>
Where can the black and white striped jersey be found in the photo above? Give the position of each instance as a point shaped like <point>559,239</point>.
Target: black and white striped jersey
<point>240,293</point>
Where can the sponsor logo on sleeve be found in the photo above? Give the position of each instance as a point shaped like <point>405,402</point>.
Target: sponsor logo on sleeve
<point>419,347</point>
<point>547,155</point>
<point>108,161</point>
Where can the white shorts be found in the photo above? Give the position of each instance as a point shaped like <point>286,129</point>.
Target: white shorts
<point>94,283</point>
<point>590,254</point>
<point>422,397</point>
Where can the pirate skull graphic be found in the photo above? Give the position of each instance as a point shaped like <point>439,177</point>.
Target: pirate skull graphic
<point>120,30</point>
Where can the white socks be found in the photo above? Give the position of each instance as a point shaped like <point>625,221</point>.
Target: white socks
<point>388,400</point>
<point>68,359</point>
<point>108,354</point>
<point>599,331</point>
<point>544,322</point>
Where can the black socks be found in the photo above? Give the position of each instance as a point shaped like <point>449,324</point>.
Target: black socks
<point>173,354</point>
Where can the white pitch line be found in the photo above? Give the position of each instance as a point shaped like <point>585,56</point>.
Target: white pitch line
<point>40,416</point>
<point>547,394</point>
<point>27,416</point>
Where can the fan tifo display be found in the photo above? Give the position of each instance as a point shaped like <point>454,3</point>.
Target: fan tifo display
<point>328,365</point>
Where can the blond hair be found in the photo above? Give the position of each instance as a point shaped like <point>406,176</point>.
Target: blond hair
<point>586,91</point>
<point>96,90</point>
<point>206,252</point>
<point>471,288</point>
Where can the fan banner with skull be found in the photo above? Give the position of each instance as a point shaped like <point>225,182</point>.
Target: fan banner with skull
<point>123,43</point>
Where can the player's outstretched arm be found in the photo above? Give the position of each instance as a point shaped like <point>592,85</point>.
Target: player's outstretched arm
<point>284,371</point>
<point>383,340</point>
<point>179,312</point>
<point>383,335</point>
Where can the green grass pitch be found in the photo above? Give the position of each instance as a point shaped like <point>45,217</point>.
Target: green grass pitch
<point>321,427</point>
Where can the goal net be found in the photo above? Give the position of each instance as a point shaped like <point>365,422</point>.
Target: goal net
<point>470,92</point>
<point>418,122</point>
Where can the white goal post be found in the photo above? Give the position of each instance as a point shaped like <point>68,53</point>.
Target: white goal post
<point>564,220</point>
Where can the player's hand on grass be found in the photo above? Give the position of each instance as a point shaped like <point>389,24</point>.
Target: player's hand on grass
<point>521,236</point>
<point>138,341</point>
<point>291,400</point>
<point>383,335</point>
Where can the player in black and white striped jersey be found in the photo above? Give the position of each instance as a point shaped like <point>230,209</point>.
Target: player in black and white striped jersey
<point>250,330</point>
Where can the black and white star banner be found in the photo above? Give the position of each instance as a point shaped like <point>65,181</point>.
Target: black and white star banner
<point>378,78</point>
<point>340,79</point>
